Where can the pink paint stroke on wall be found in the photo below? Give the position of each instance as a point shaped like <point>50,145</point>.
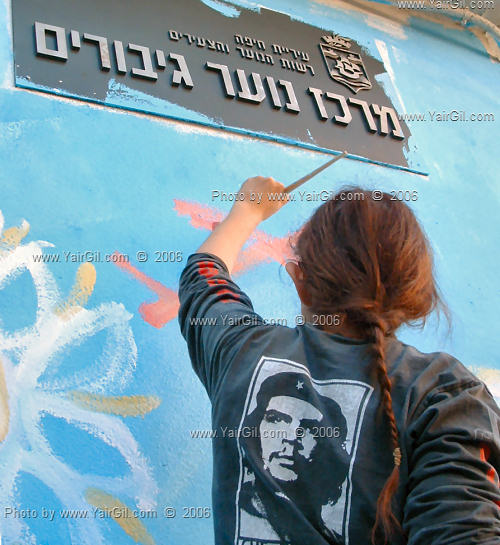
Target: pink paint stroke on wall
<point>260,248</point>
<point>263,248</point>
<point>160,312</point>
<point>201,215</point>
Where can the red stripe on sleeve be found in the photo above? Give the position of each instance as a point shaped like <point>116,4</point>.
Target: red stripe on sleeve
<point>209,270</point>
<point>484,453</point>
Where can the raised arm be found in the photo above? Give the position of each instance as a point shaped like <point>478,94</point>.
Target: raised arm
<point>227,239</point>
<point>215,315</point>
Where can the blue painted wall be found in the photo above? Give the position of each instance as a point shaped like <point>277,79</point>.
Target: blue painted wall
<point>88,177</point>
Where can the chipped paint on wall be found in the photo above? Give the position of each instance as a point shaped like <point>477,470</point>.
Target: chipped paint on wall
<point>392,89</point>
<point>489,43</point>
<point>392,20</point>
<point>122,95</point>
<point>223,8</point>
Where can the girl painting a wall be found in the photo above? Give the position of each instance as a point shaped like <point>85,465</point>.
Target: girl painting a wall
<point>355,436</point>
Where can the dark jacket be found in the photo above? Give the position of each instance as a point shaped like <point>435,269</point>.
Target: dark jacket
<point>300,451</point>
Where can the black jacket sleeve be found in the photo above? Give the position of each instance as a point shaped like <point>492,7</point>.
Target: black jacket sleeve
<point>453,488</point>
<point>213,314</point>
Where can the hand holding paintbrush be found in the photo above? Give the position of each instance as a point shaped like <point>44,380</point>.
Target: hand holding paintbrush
<point>228,237</point>
<point>279,197</point>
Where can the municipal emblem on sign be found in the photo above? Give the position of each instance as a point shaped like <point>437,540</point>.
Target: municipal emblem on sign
<point>344,65</point>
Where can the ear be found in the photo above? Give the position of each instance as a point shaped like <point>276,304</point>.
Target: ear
<point>297,275</point>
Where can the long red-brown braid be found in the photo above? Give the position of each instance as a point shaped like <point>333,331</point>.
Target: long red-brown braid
<point>370,261</point>
<point>384,515</point>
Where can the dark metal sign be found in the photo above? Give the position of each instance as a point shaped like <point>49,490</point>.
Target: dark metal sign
<point>256,72</point>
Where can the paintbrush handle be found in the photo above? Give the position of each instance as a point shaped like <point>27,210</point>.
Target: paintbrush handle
<point>307,177</point>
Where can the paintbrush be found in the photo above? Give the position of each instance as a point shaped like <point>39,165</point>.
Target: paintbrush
<point>302,180</point>
<point>307,177</point>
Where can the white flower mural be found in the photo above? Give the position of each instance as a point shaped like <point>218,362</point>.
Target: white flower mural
<point>31,387</point>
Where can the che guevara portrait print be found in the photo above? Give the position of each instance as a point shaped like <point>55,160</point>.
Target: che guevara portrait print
<point>299,436</point>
